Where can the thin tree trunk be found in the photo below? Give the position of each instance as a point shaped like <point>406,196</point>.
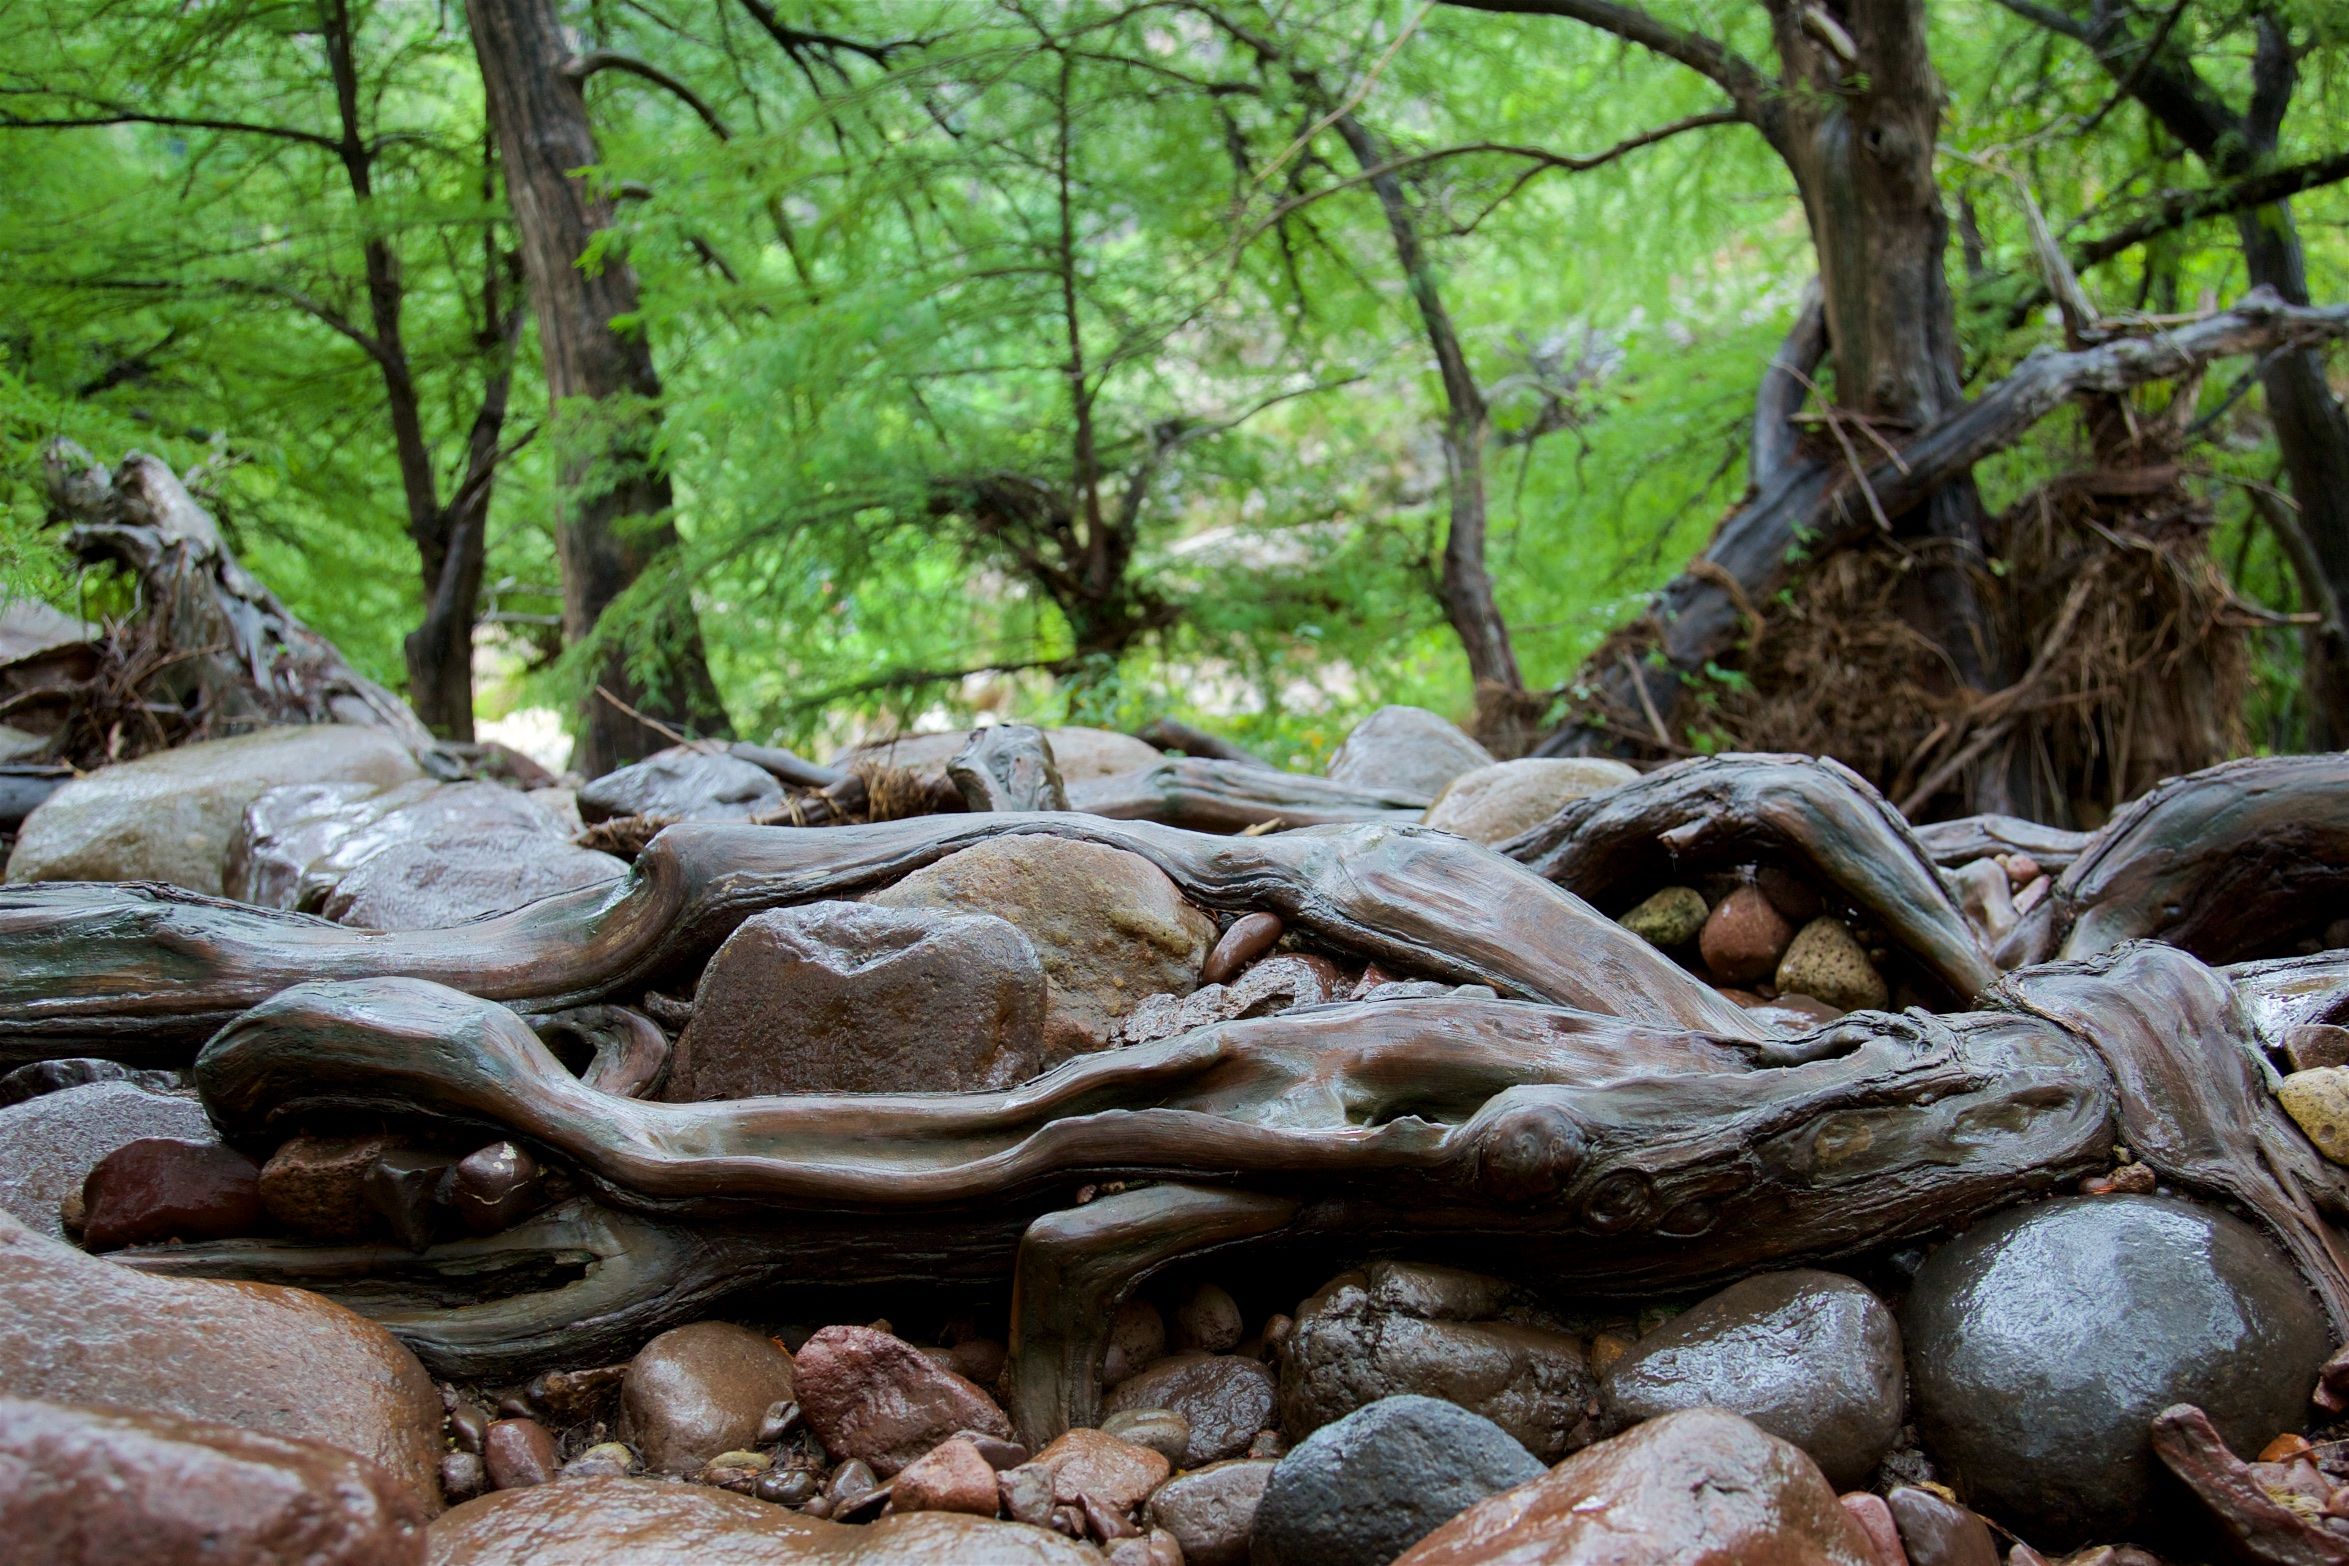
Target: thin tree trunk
<point>613,500</point>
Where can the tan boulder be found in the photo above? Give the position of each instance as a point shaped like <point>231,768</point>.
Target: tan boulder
<point>1495,803</point>
<point>1080,754</point>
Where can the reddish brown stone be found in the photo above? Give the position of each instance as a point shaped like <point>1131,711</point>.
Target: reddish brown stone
<point>519,1452</point>
<point>1743,938</point>
<point>317,1186</point>
<point>869,1395</point>
<point>697,1391</point>
<point>161,1188</point>
<point>1250,937</point>
<point>1226,1399</point>
<point>1095,1463</point>
<point>952,1476</point>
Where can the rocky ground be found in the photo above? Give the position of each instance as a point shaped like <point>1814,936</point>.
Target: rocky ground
<point>869,1169</point>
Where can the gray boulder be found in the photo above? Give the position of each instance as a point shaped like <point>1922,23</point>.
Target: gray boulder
<point>1365,1489</point>
<point>1406,750</point>
<point>49,1144</point>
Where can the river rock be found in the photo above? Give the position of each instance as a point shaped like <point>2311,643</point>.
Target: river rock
<point>90,1487</point>
<point>1207,1319</point>
<point>1700,1488</point>
<point>1825,961</point>
<point>168,817</point>
<point>1809,1356</point>
<point>466,873</point>
<point>850,998</point>
<point>1360,1491</point>
<point>2042,1341</point>
<point>161,1188</point>
<point>77,1329</point>
<point>1226,1397</point>
<point>1118,1474</point>
<point>646,1522</point>
<point>1406,750</point>
<point>1079,754</point>
<point>1495,803</point>
<point>1743,937</point>
<point>519,1452</point>
<point>953,1476</point>
<point>1161,1429</point>
<point>682,783</point>
<point>1396,1328</point>
<point>49,1144</point>
<point>1137,1337</point>
<point>1211,1511</point>
<point>34,1078</point>
<point>1109,926</point>
<point>1935,1532</point>
<point>317,1186</point>
<point>285,830</point>
<point>2318,1101</point>
<point>872,1396</point>
<point>699,1390</point>
<point>1672,917</point>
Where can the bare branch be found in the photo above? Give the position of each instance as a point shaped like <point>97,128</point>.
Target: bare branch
<point>176,121</point>
<point>1747,85</point>
<point>581,67</point>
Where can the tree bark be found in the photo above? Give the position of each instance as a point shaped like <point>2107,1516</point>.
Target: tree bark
<point>613,499</point>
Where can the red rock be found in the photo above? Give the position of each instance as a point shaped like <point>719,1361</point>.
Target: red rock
<point>952,1476</point>
<point>1095,1463</point>
<point>86,1487</point>
<point>519,1452</point>
<point>161,1188</point>
<point>317,1186</point>
<point>699,1390</point>
<point>1743,938</point>
<point>1250,937</point>
<point>1697,1488</point>
<point>1875,1520</point>
<point>1937,1532</point>
<point>869,1395</point>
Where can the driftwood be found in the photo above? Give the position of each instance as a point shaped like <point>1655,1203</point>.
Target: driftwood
<point>1968,838</point>
<point>1007,766</point>
<point>1607,1155</point>
<point>1205,795</point>
<point>1171,734</point>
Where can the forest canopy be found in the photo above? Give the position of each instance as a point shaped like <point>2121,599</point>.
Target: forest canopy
<point>1253,364</point>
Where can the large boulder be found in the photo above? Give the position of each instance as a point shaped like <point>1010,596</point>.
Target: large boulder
<point>91,1487</point>
<point>701,1390</point>
<point>644,1522</point>
<point>1406,750</point>
<point>853,998</point>
<point>1809,1356</point>
<point>1079,754</point>
<point>1211,1511</point>
<point>1396,1328</point>
<point>466,873</point>
<point>49,1144</point>
<point>75,1329</point>
<point>285,830</point>
<point>1700,1488</point>
<point>1492,804</point>
<point>2042,1342</point>
<point>1108,925</point>
<point>1225,1398</point>
<point>682,783</point>
<point>168,817</point>
<point>871,1396</point>
<point>1363,1490</point>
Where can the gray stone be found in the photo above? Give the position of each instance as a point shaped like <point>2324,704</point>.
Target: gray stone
<point>169,817</point>
<point>465,874</point>
<point>1406,750</point>
<point>1226,1398</point>
<point>1495,803</point>
<point>2042,1341</point>
<point>852,998</point>
<point>1109,926</point>
<point>1079,754</point>
<point>1211,1511</point>
<point>1811,1357</point>
<point>1365,1489</point>
<point>683,783</point>
<point>49,1145</point>
<point>1397,1328</point>
<point>287,829</point>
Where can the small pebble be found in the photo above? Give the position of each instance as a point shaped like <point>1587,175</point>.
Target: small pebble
<point>781,1418</point>
<point>604,1460</point>
<point>495,1187</point>
<point>1162,1430</point>
<point>469,1427</point>
<point>786,1486</point>
<point>1268,1443</point>
<point>852,1481</point>
<point>1250,937</point>
<point>1208,1320</point>
<point>519,1452</point>
<point>462,1475</point>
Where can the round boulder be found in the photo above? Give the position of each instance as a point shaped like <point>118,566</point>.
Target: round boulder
<point>1495,803</point>
<point>2043,1341</point>
<point>1406,750</point>
<point>697,1391</point>
<point>1363,1490</point>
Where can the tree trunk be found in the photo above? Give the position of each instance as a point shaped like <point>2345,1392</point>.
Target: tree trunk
<point>612,499</point>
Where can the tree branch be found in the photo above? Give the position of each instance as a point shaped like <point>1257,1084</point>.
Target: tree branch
<point>580,67</point>
<point>1748,86</point>
<point>10,121</point>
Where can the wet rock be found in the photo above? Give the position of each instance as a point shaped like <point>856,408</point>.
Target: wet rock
<point>1672,917</point>
<point>1137,1337</point>
<point>317,1186</point>
<point>403,1187</point>
<point>604,1460</point>
<point>1810,1357</point>
<point>1792,1016</point>
<point>1250,937</point>
<point>1874,1520</point>
<point>1207,1319</point>
<point>2308,1047</point>
<point>1701,1488</point>
<point>169,816</point>
<point>1361,1491</point>
<point>1935,1532</point>
<point>1025,1494</point>
<point>495,1187</point>
<point>951,1477</point>
<point>286,830</point>
<point>2042,1342</point>
<point>163,1188</point>
<point>49,1145</point>
<point>86,1487</point>
<point>849,998</point>
<point>78,1329</point>
<point>1108,925</point>
<point>1825,961</point>
<point>682,783</point>
<point>33,1080</point>
<point>699,1390</point>
<point>463,1475</point>
<point>1116,1473</point>
<point>1494,803</point>
<point>1079,754</point>
<point>519,1452</point>
<point>2318,1101</point>
<point>1395,1328</point>
<point>460,875</point>
<point>1211,1511</point>
<point>1743,937</point>
<point>869,1395</point>
<point>1161,1429</point>
<point>1792,895</point>
<point>1225,1397</point>
<point>1406,750</point>
<point>645,1522</point>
